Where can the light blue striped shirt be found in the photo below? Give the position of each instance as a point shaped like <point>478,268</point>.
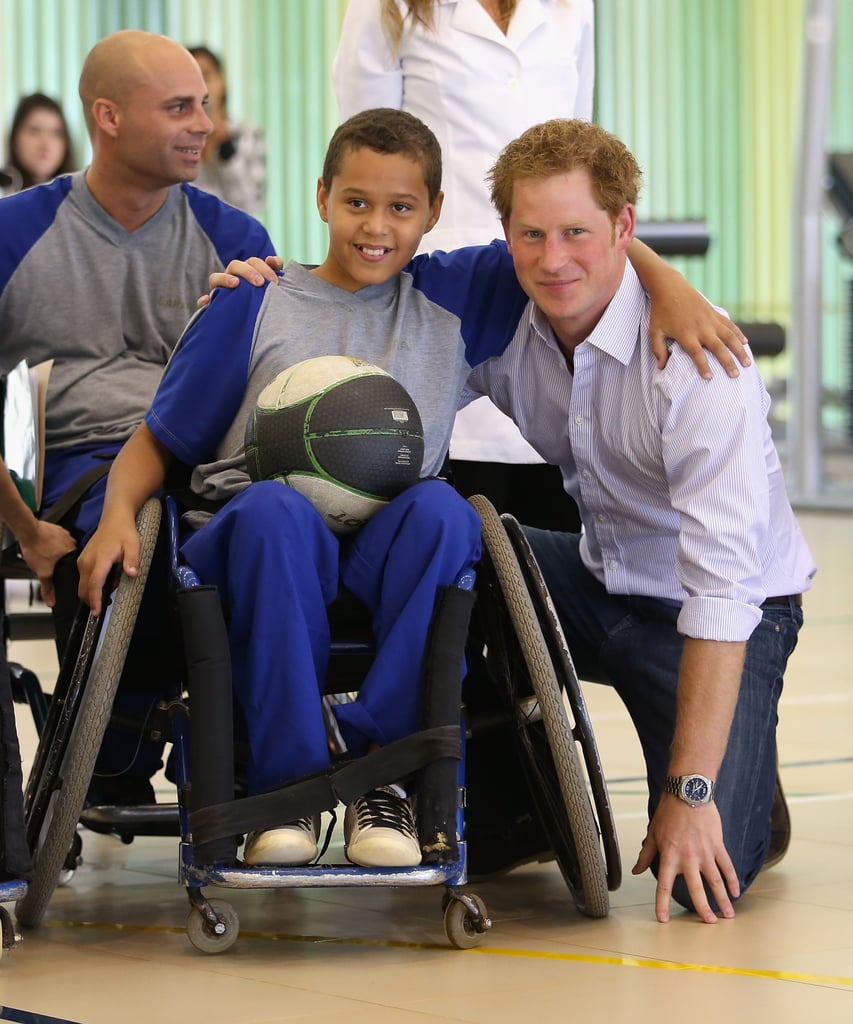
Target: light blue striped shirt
<point>677,479</point>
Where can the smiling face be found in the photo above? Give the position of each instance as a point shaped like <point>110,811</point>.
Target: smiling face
<point>569,255</point>
<point>377,207</point>
<point>163,121</point>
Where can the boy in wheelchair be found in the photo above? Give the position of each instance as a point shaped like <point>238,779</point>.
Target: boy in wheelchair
<point>275,563</point>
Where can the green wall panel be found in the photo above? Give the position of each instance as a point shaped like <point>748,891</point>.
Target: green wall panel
<point>706,92</point>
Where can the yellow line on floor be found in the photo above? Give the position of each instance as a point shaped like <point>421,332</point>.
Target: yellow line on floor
<point>532,954</point>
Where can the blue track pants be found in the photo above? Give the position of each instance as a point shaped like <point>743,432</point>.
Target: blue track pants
<point>277,567</point>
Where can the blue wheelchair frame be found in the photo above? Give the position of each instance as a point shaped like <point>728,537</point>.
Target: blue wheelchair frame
<point>213,926</point>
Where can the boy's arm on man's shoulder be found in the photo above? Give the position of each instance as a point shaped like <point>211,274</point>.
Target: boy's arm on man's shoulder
<point>479,285</point>
<point>682,313</point>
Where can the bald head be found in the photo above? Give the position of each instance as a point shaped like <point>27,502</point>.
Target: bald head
<point>122,62</point>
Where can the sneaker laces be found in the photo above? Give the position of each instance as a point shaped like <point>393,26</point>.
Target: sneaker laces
<point>385,808</point>
<point>333,817</point>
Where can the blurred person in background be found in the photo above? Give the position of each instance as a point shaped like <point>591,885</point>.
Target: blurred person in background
<point>234,162</point>
<point>40,146</point>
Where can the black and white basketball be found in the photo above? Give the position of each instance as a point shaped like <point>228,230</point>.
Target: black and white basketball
<point>341,431</point>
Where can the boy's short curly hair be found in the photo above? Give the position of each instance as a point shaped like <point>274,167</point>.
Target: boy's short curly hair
<point>386,130</point>
<point>560,146</point>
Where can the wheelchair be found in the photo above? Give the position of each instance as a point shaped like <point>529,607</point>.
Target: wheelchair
<point>521,696</point>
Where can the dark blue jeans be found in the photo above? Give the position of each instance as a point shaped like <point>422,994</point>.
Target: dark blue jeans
<point>632,644</point>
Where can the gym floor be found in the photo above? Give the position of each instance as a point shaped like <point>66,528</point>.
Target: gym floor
<point>113,946</point>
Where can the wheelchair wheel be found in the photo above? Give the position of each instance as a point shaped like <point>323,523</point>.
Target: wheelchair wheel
<point>9,937</point>
<point>518,658</point>
<point>210,938</point>
<point>562,661</point>
<point>465,921</point>
<point>54,810</point>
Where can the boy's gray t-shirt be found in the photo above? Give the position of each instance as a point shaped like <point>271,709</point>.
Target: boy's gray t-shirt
<point>392,325</point>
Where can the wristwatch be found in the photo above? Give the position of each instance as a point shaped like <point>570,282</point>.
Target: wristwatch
<point>692,789</point>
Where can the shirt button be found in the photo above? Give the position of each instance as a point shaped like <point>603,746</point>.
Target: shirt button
<point>600,518</point>
<point>578,420</point>
<point>585,474</point>
<point>612,565</point>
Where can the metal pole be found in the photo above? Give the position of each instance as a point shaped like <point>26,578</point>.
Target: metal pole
<point>806,294</point>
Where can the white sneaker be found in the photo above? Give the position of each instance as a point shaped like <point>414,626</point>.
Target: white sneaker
<point>379,830</point>
<point>289,846</point>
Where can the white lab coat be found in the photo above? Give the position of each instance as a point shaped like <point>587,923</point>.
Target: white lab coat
<point>477,89</point>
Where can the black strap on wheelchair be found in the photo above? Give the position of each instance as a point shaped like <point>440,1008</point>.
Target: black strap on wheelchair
<point>69,499</point>
<point>438,784</point>
<point>323,791</point>
<point>208,678</point>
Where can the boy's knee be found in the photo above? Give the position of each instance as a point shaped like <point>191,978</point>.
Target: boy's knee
<point>436,502</point>
<point>267,507</point>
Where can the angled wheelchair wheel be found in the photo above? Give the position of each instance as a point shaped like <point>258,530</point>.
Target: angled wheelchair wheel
<point>56,798</point>
<point>216,932</point>
<point>519,661</point>
<point>561,659</point>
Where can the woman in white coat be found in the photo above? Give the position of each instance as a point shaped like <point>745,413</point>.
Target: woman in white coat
<point>479,72</point>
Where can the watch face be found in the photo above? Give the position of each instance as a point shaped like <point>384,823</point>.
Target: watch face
<point>696,789</point>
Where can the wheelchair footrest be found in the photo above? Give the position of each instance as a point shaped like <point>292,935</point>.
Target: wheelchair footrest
<point>141,820</point>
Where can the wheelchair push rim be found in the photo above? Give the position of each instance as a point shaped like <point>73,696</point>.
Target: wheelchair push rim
<point>57,797</point>
<point>582,730</point>
<point>519,660</point>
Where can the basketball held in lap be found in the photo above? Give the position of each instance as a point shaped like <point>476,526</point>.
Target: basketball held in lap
<point>343,432</point>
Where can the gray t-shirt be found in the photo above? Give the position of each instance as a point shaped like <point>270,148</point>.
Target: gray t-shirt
<point>106,304</point>
<point>393,325</point>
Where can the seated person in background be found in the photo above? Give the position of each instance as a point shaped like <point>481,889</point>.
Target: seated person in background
<point>234,162</point>
<point>275,563</point>
<point>131,222</point>
<point>684,590</point>
<point>39,144</point>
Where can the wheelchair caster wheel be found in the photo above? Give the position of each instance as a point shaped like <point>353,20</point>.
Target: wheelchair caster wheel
<point>9,937</point>
<point>465,920</point>
<point>210,936</point>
